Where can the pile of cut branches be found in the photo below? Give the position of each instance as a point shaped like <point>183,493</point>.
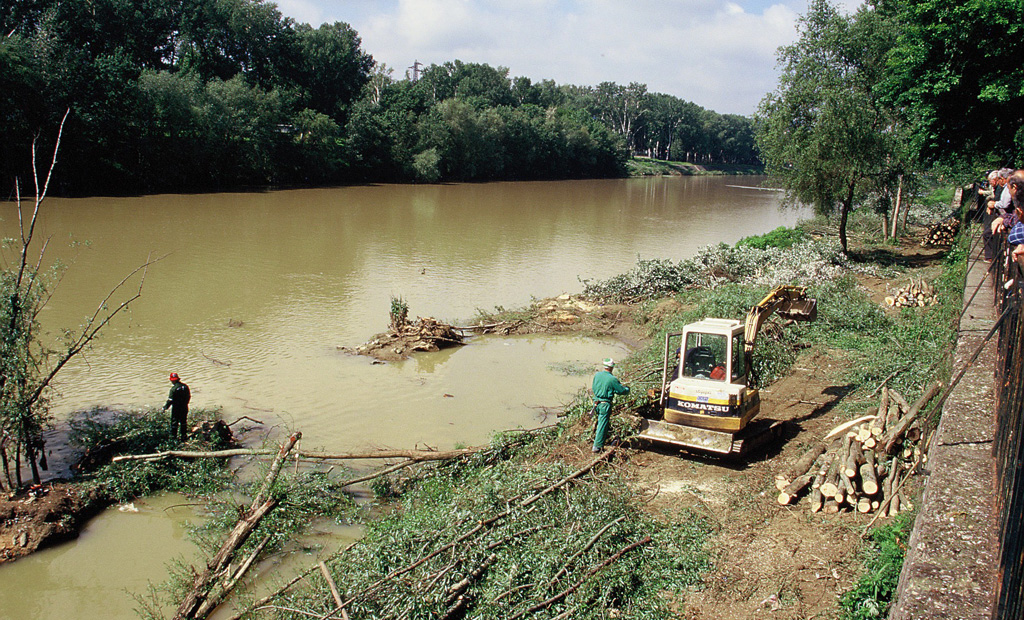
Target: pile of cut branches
<point>942,233</point>
<point>510,539</point>
<point>403,338</point>
<point>867,463</point>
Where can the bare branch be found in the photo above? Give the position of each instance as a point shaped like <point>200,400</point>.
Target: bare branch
<point>92,327</point>
<point>26,238</point>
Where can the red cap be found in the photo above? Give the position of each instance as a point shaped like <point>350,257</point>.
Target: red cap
<point>174,377</point>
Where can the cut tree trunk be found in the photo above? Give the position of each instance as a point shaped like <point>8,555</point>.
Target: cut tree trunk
<point>801,467</point>
<point>206,585</point>
<point>868,477</point>
<point>794,488</point>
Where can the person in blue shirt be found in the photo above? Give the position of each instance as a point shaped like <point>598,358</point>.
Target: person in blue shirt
<point>605,387</point>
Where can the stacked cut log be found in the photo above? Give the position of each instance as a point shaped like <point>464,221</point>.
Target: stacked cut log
<point>917,293</point>
<point>942,233</point>
<point>860,466</point>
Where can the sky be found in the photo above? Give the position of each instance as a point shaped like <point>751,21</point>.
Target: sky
<point>719,54</point>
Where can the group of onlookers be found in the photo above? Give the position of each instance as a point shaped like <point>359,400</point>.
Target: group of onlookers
<point>1003,202</point>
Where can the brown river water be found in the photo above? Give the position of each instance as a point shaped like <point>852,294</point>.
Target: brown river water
<point>257,291</point>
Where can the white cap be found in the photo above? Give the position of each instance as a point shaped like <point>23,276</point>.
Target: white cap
<point>609,362</point>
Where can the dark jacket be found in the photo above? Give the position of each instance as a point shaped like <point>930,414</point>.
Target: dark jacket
<point>178,398</point>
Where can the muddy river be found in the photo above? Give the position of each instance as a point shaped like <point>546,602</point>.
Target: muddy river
<point>255,293</point>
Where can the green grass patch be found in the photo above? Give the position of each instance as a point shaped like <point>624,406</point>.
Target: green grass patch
<point>873,594</point>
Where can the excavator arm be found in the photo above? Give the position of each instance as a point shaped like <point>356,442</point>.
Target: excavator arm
<point>790,302</point>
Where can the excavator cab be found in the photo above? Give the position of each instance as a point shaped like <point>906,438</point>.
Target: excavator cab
<point>708,398</point>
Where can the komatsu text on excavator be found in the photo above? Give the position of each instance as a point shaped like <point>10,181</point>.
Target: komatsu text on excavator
<point>707,400</point>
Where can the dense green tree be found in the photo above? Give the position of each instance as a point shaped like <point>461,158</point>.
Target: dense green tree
<point>956,72</point>
<point>822,133</point>
<point>333,69</point>
<point>200,94</point>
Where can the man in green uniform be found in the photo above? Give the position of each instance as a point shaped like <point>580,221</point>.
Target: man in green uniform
<point>606,386</point>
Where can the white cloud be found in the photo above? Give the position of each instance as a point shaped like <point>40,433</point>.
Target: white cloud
<point>719,54</point>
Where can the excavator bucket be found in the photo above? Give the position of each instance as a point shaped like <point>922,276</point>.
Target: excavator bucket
<point>800,310</point>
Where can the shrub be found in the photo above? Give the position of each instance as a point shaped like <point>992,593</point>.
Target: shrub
<point>873,594</point>
<point>781,237</point>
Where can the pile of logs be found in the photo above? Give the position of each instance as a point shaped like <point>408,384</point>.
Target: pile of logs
<point>861,465</point>
<point>942,233</point>
<point>919,293</point>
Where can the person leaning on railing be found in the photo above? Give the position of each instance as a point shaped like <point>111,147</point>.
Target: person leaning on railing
<point>1015,187</point>
<point>1006,213</point>
<point>988,196</point>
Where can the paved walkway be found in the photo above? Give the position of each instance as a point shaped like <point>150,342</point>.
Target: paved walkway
<point>950,570</point>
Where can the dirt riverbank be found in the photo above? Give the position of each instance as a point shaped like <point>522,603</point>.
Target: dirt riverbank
<point>769,560</point>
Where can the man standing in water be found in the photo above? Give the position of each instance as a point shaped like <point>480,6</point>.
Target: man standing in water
<point>605,387</point>
<point>177,400</point>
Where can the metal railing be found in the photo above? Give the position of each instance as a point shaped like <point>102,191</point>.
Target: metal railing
<point>1008,447</point>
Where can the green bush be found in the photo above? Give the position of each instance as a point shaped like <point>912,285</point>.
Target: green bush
<point>110,433</point>
<point>781,237</point>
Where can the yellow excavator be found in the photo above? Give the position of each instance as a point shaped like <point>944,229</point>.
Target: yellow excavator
<point>707,400</point>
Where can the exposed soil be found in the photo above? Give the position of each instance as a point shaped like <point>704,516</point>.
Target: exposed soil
<point>43,516</point>
<point>771,561</point>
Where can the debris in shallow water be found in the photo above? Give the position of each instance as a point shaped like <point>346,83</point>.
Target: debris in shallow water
<point>423,334</point>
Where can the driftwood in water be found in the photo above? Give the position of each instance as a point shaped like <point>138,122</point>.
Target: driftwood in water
<point>415,455</point>
<point>208,587</point>
<point>423,334</point>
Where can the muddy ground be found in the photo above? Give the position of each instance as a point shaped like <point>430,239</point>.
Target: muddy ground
<point>770,561</point>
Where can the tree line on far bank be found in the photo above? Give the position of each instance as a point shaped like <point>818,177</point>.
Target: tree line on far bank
<point>208,94</point>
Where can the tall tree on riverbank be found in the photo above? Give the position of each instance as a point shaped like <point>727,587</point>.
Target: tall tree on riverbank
<point>823,134</point>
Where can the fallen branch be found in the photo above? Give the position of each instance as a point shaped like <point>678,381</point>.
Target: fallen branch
<point>480,526</point>
<point>245,417</point>
<point>847,425</point>
<point>590,543</point>
<point>904,423</point>
<point>414,455</point>
<point>590,573</point>
<point>266,599</point>
<point>205,584</point>
<point>334,592</point>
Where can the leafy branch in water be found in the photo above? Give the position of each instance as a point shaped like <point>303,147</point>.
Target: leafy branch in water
<point>806,262</point>
<point>105,434</point>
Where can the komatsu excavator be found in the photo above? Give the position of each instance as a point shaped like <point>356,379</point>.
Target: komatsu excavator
<point>707,399</point>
